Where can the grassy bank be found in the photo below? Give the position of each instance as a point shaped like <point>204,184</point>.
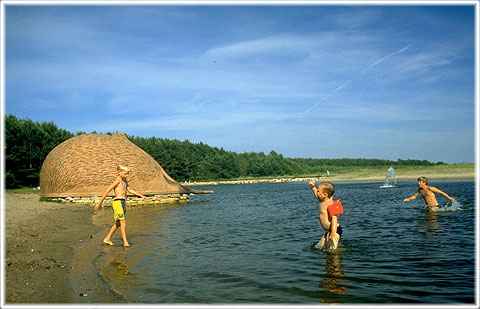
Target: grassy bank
<point>444,171</point>
<point>22,190</point>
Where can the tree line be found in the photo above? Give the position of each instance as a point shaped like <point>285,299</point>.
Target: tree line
<point>27,143</point>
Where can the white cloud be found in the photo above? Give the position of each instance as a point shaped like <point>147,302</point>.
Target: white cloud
<point>281,44</point>
<point>354,17</point>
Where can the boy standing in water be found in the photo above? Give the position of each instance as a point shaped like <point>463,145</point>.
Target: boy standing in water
<point>333,230</point>
<point>120,187</point>
<point>428,193</point>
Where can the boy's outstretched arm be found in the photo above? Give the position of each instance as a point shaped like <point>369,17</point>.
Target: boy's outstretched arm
<point>435,190</point>
<point>333,226</point>
<point>136,193</point>
<point>408,199</point>
<point>314,189</point>
<point>104,195</point>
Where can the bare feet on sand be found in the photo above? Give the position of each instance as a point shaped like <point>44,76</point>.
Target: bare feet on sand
<point>108,242</point>
<point>126,244</point>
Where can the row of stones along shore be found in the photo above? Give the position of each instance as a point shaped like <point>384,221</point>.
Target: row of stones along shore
<point>131,201</point>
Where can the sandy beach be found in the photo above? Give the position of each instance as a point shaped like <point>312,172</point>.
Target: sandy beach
<point>39,240</point>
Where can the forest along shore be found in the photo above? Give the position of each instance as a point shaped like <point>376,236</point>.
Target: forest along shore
<point>373,174</point>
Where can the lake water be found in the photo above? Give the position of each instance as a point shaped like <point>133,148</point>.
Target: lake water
<point>253,243</point>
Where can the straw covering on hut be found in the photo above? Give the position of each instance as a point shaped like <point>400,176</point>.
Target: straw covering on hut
<point>85,165</point>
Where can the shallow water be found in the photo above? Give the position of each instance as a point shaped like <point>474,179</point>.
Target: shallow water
<point>253,243</point>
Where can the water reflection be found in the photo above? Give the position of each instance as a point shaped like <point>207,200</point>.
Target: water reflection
<point>431,222</point>
<point>117,273</point>
<point>334,279</point>
<point>119,265</point>
<point>432,229</point>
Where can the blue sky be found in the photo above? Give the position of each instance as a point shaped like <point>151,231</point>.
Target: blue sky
<point>318,81</point>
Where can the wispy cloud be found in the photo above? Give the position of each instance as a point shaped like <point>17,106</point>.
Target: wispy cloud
<point>328,96</point>
<point>386,57</point>
<point>356,18</point>
<point>194,121</point>
<point>349,81</point>
<point>276,45</point>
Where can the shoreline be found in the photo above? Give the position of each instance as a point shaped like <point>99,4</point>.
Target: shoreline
<point>307,179</point>
<point>85,280</point>
<point>40,239</point>
<point>340,178</point>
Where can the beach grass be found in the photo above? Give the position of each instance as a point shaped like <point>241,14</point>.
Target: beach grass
<point>22,190</point>
<point>439,172</point>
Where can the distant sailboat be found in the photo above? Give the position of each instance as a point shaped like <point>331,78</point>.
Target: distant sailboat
<point>387,183</point>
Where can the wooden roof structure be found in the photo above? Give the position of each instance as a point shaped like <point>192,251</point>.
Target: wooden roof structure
<point>85,165</point>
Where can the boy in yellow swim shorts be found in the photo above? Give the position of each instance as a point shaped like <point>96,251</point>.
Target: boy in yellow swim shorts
<point>120,187</point>
<point>119,209</point>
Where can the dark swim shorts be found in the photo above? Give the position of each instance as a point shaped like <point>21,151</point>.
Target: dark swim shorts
<point>339,231</point>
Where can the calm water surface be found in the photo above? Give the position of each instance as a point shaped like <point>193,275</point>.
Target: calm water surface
<point>252,243</point>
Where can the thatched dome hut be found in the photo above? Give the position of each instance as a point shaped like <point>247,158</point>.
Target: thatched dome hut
<point>85,165</point>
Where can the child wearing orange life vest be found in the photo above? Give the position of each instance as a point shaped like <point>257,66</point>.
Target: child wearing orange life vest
<point>328,212</point>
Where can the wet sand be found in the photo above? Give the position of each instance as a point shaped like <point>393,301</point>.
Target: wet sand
<point>40,238</point>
